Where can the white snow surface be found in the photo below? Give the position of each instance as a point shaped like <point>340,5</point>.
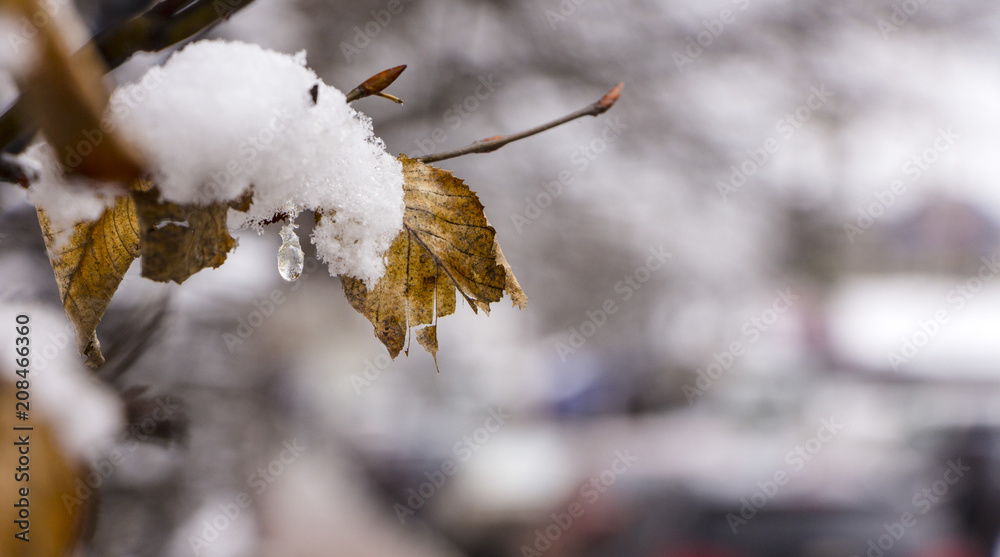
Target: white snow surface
<point>67,200</point>
<point>222,116</point>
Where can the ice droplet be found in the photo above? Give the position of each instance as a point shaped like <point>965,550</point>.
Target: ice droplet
<point>290,256</point>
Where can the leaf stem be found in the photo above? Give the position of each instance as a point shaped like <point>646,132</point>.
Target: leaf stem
<point>493,143</point>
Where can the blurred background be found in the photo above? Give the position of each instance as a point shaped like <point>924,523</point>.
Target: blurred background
<point>761,299</point>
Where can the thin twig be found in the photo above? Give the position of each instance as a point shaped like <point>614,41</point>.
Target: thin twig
<point>12,171</point>
<point>168,8</point>
<point>165,24</point>
<point>493,143</point>
<point>162,26</point>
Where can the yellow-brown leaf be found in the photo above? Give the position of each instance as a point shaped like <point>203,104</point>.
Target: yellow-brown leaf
<point>54,525</point>
<point>446,245</point>
<point>90,266</point>
<point>511,285</point>
<point>428,338</point>
<point>180,240</point>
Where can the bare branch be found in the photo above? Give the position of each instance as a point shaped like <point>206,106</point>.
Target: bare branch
<point>14,172</point>
<point>165,24</point>
<point>493,143</point>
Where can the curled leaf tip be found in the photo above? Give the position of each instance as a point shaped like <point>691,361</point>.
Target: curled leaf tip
<point>95,358</point>
<point>610,98</point>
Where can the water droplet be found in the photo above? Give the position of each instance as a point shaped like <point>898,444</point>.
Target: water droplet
<point>290,256</point>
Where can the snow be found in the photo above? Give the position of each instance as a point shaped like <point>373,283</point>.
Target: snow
<point>220,116</point>
<point>85,415</point>
<point>66,200</point>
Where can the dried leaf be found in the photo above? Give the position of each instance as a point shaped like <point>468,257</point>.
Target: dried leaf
<point>428,338</point>
<point>65,94</point>
<point>446,244</point>
<point>90,266</point>
<point>512,287</point>
<point>180,240</point>
<point>54,526</point>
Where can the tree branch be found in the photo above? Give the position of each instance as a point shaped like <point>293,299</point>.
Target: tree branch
<point>167,23</point>
<point>14,172</point>
<point>493,143</point>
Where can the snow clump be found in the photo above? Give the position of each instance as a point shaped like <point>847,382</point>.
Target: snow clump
<point>219,117</point>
